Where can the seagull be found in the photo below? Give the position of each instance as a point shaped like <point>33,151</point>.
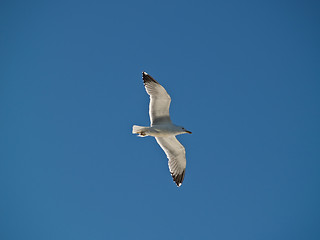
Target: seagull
<point>163,129</point>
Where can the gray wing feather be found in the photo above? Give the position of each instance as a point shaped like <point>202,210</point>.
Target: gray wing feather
<point>159,100</point>
<point>176,154</point>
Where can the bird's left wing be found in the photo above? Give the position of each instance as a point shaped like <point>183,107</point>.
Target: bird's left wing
<point>176,154</point>
<point>159,101</point>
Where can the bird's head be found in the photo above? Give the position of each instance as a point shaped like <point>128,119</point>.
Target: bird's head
<point>185,130</point>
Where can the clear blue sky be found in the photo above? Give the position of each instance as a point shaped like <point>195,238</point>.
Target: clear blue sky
<point>244,77</point>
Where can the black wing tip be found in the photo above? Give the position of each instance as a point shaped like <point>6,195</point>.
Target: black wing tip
<point>147,78</point>
<point>178,179</point>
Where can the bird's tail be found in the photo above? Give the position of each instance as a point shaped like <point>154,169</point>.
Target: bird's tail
<point>139,130</point>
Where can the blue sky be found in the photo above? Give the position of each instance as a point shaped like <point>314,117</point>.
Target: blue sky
<point>243,77</point>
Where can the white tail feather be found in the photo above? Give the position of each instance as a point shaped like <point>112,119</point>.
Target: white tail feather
<point>139,130</point>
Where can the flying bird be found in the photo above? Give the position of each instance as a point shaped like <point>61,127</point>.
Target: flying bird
<point>163,129</point>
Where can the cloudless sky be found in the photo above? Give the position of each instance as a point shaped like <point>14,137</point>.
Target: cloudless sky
<point>244,77</point>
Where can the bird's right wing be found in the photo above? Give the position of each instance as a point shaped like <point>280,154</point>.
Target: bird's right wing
<point>176,154</point>
<point>159,101</point>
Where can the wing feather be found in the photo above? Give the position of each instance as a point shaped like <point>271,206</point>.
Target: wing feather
<point>159,101</point>
<point>176,154</point>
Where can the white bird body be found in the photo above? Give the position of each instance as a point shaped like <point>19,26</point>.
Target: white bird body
<point>163,129</point>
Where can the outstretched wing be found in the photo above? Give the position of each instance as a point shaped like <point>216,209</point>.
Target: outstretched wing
<point>176,154</point>
<point>159,101</point>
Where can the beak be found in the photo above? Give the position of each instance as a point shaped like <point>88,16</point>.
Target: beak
<point>188,131</point>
